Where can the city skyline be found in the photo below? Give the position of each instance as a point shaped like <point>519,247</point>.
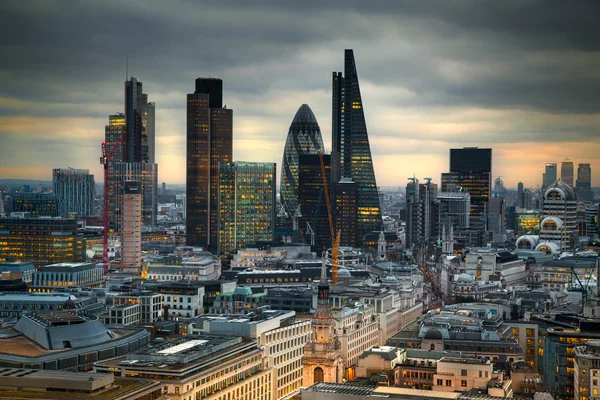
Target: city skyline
<point>434,78</point>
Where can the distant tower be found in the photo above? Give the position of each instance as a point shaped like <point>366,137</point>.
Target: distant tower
<point>2,212</point>
<point>323,360</point>
<point>520,200</point>
<point>566,172</point>
<point>131,225</point>
<point>381,253</point>
<point>447,240</point>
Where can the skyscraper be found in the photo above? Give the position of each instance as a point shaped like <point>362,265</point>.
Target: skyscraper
<point>584,177</point>
<point>131,225</point>
<point>113,132</point>
<point>304,137</point>
<point>134,101</point>
<point>550,175</point>
<point>566,172</point>
<point>75,191</point>
<point>246,212</point>
<point>311,197</point>
<point>351,153</point>
<point>520,200</point>
<point>422,219</point>
<point>209,142</point>
<point>471,169</point>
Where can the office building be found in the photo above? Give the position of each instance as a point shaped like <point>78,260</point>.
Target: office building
<point>131,227</point>
<point>36,204</point>
<point>471,169</point>
<point>558,229</point>
<point>246,199</point>
<point>204,366</point>
<point>18,384</point>
<point>550,175</point>
<point>240,301</point>
<point>351,153</point>
<point>139,124</point>
<point>149,129</point>
<point>584,177</point>
<point>566,172</point>
<point>66,276</point>
<point>113,132</point>
<point>14,305</point>
<point>41,240</point>
<point>209,142</point>
<point>304,137</point>
<point>455,207</point>
<point>314,220</point>
<point>520,199</point>
<point>75,189</point>
<point>346,211</point>
<point>146,175</point>
<point>586,372</point>
<point>422,218</point>
<point>496,221</point>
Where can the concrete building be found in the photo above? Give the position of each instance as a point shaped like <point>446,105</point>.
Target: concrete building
<point>75,189</point>
<point>13,305</point>
<point>150,308</point>
<point>300,299</point>
<point>587,370</point>
<point>63,340</point>
<point>54,385</point>
<point>36,204</point>
<point>17,270</point>
<point>240,301</point>
<point>205,366</point>
<point>131,228</point>
<point>282,336</point>
<point>567,172</point>
<point>462,374</point>
<point>67,276</point>
<point>558,229</point>
<point>377,360</point>
<point>456,206</point>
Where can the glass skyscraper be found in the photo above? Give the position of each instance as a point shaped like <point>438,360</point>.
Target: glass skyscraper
<point>351,153</point>
<point>209,142</point>
<point>246,212</point>
<point>304,137</point>
<point>75,190</point>
<point>566,172</point>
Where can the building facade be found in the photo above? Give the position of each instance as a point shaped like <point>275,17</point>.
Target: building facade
<point>351,152</point>
<point>550,174</point>
<point>209,142</point>
<point>67,275</point>
<point>131,227</point>
<point>567,172</point>
<point>75,189</point>
<point>36,204</point>
<point>247,202</point>
<point>304,137</point>
<point>41,241</point>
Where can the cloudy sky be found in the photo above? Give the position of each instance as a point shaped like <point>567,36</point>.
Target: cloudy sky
<point>522,77</point>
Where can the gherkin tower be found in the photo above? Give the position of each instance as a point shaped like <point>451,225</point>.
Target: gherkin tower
<point>304,137</point>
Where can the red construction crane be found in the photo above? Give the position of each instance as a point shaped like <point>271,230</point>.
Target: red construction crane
<point>104,160</point>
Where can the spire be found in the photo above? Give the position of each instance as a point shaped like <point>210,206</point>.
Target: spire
<point>323,279</point>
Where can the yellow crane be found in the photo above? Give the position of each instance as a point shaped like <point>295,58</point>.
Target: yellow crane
<point>335,237</point>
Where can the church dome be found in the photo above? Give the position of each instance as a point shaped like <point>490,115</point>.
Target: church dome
<point>464,278</point>
<point>433,334</point>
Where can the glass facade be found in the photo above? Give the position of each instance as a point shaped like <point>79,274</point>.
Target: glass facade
<point>75,190</point>
<point>113,132</point>
<point>584,177</point>
<point>41,241</point>
<point>246,205</point>
<point>209,142</point>
<point>311,196</point>
<point>351,152</point>
<point>38,204</point>
<point>304,137</point>
<point>566,172</point>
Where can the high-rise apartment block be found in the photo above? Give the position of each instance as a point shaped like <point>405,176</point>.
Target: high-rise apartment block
<point>36,204</point>
<point>566,172</point>
<point>131,227</point>
<point>351,153</point>
<point>304,137</point>
<point>471,169</point>
<point>209,142</point>
<point>314,221</point>
<point>550,175</point>
<point>40,240</point>
<point>75,191</point>
<point>246,212</point>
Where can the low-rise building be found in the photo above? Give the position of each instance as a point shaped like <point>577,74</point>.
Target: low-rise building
<point>13,305</point>
<point>586,372</point>
<point>240,301</point>
<point>462,374</point>
<point>299,299</point>
<point>17,270</point>
<point>66,276</point>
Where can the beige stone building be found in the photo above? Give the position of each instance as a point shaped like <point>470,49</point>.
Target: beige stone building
<point>462,374</point>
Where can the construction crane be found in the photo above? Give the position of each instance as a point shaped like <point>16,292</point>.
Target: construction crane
<point>335,238</point>
<point>105,160</point>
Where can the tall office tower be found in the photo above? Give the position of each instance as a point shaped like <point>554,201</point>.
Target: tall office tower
<point>75,190</point>
<point>149,130</point>
<point>497,215</point>
<point>134,136</point>
<point>131,226</point>
<point>584,177</point>
<point>520,200</point>
<point>323,359</point>
<point>550,175</point>
<point>345,211</point>
<point>2,211</point>
<point>304,137</point>
<point>422,219</point>
<point>314,221</point>
<point>246,208</point>
<point>471,168</point>
<point>40,240</point>
<point>566,172</point>
<point>455,206</point>
<point>558,229</point>
<point>351,153</point>
<point>37,204</point>
<point>113,132</point>
<point>146,174</point>
<point>209,142</point>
